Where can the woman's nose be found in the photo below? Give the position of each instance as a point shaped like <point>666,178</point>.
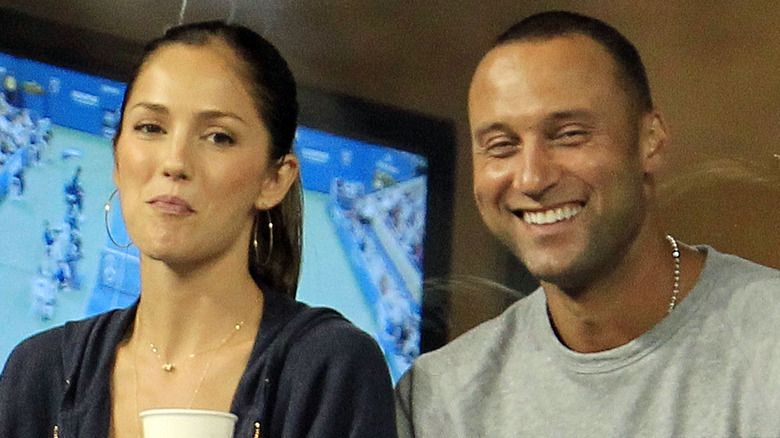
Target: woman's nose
<point>175,163</point>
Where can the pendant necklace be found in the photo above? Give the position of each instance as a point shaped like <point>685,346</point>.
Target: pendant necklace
<point>169,366</point>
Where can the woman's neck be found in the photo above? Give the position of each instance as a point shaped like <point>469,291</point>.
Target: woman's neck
<point>182,312</point>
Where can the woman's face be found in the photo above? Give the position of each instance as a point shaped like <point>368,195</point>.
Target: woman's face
<point>193,157</point>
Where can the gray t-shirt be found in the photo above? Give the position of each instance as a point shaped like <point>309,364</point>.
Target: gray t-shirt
<point>709,369</point>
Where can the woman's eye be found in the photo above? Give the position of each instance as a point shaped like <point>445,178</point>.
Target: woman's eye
<point>148,128</point>
<point>220,138</point>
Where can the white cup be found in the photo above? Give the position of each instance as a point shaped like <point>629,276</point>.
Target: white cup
<point>187,423</point>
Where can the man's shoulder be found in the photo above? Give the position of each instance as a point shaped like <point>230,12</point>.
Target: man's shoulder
<point>486,345</point>
<point>740,296</point>
<point>734,264</point>
<point>739,277</point>
<point>445,386</point>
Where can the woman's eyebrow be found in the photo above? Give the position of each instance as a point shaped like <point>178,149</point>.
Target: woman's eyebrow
<point>217,114</point>
<point>154,107</point>
<point>202,115</point>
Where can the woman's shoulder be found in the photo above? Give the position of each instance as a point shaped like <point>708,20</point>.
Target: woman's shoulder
<point>43,347</point>
<point>43,368</point>
<point>324,332</point>
<point>38,360</point>
<point>318,359</point>
<point>318,335</point>
<point>46,350</point>
<point>45,344</point>
<point>332,335</point>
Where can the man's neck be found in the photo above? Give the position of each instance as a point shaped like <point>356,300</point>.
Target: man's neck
<point>623,304</point>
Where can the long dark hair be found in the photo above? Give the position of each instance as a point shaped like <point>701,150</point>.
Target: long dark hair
<point>274,261</point>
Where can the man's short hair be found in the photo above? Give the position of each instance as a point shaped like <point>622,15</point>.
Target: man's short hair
<point>551,24</point>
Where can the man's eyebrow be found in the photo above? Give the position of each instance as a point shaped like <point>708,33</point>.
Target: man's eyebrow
<point>571,114</point>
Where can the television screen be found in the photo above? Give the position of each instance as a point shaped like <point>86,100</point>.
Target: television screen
<point>367,208</point>
<point>55,166</point>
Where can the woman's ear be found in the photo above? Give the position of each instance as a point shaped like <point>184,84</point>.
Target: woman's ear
<point>277,183</point>
<point>653,141</point>
<point>115,174</point>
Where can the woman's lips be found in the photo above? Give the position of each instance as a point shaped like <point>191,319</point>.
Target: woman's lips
<point>171,205</point>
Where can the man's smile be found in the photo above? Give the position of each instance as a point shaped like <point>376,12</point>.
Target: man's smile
<point>552,215</point>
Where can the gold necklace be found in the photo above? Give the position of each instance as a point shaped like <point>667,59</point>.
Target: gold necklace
<point>169,366</point>
<point>138,425</point>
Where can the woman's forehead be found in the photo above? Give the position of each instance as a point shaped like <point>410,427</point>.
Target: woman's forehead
<point>207,75</point>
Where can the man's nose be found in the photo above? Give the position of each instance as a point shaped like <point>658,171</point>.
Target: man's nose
<point>537,171</point>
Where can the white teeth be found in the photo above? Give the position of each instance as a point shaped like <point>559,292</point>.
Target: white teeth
<point>551,216</point>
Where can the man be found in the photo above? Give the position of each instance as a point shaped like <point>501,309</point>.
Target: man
<point>631,333</point>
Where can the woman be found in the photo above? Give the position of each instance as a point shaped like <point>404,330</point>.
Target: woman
<point>204,170</point>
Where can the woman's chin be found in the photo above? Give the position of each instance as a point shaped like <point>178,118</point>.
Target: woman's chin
<point>166,252</point>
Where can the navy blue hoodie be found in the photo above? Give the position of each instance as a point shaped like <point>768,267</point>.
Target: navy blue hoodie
<point>311,374</point>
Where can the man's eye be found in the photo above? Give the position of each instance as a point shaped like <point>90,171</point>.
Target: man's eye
<point>220,138</point>
<point>572,136</point>
<point>500,148</point>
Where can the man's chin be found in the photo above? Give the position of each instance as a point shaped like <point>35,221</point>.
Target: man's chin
<point>548,273</point>
<point>566,275</point>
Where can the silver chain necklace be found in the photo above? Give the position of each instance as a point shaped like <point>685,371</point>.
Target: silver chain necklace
<point>676,255</point>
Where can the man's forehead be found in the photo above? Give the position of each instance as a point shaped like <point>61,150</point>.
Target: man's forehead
<point>566,66</point>
<point>558,52</point>
<point>539,78</point>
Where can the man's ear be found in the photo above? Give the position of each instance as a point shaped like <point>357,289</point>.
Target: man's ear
<point>278,182</point>
<point>653,142</point>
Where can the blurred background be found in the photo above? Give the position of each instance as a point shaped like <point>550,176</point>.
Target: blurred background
<point>714,71</point>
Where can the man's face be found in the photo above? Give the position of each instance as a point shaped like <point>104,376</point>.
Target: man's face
<point>557,147</point>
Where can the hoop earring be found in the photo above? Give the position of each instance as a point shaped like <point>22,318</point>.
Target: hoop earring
<point>106,210</point>
<point>270,240</point>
